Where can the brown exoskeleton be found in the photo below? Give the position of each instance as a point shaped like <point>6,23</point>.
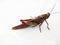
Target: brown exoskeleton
<point>34,22</point>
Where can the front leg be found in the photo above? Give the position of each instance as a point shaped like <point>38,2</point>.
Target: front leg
<point>47,25</point>
<point>40,26</point>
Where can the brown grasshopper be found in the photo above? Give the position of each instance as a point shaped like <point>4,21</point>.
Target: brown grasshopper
<point>35,21</point>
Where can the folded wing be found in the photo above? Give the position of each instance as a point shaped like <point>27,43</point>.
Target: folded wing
<point>20,26</point>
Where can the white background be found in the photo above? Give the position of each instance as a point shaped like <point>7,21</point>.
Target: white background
<point>11,11</point>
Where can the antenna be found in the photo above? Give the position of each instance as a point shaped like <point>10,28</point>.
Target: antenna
<point>53,7</point>
<point>55,12</point>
